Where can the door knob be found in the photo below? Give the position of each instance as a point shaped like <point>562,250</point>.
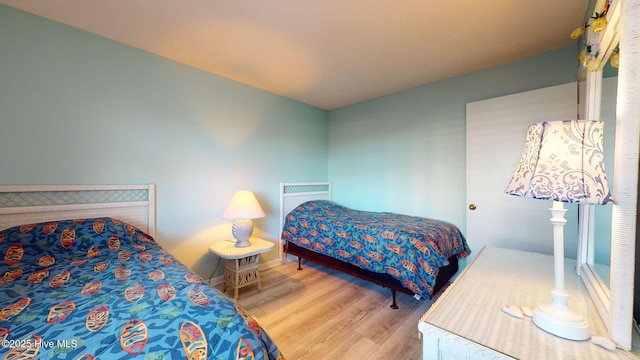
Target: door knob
<point>472,206</point>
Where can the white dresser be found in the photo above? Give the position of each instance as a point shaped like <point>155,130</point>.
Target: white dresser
<point>467,322</point>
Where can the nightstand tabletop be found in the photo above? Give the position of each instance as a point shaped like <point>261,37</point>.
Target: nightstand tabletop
<point>227,249</point>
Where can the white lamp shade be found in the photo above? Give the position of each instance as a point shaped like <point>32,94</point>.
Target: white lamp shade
<point>243,205</point>
<point>563,161</point>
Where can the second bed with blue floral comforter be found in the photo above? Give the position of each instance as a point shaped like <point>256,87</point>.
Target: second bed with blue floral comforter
<point>409,248</point>
<point>103,289</point>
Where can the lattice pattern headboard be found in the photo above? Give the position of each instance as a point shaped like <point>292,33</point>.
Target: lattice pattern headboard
<point>294,194</point>
<point>27,204</point>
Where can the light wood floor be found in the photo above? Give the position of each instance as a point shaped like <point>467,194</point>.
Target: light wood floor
<point>319,313</point>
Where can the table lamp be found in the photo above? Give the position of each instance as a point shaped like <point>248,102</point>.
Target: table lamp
<point>242,208</point>
<point>562,161</point>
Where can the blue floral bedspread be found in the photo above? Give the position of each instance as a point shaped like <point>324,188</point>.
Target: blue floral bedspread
<point>102,289</point>
<point>409,248</point>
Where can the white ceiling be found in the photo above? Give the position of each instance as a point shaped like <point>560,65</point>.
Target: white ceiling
<point>327,53</point>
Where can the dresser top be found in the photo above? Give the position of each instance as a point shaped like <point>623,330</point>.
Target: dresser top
<point>472,307</point>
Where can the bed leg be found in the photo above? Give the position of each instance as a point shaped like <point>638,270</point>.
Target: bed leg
<point>393,296</point>
<point>299,260</point>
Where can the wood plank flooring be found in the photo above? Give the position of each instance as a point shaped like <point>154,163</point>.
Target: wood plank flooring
<point>319,313</point>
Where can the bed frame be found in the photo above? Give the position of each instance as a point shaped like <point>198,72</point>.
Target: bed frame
<point>28,204</point>
<point>294,194</point>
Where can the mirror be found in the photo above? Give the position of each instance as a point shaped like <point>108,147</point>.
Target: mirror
<point>599,256</point>
<point>606,270</point>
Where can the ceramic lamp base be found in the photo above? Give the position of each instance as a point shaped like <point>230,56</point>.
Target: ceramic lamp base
<point>241,230</point>
<point>556,318</point>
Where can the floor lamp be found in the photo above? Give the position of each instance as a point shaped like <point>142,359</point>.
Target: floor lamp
<point>562,161</point>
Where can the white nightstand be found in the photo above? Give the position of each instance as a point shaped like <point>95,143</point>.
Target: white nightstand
<point>241,264</point>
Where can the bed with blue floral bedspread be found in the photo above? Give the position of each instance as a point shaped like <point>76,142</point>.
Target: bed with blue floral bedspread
<point>408,248</point>
<point>103,289</point>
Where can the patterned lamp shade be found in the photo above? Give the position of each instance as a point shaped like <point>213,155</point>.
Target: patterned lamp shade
<point>563,161</point>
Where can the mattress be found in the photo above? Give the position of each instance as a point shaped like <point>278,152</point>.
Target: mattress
<point>409,248</point>
<point>103,289</point>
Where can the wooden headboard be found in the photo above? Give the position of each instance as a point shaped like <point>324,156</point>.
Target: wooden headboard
<point>295,193</point>
<point>28,204</point>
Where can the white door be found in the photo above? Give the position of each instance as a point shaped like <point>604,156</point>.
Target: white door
<point>496,130</point>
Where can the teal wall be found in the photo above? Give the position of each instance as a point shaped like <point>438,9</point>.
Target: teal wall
<point>76,108</point>
<point>406,152</point>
